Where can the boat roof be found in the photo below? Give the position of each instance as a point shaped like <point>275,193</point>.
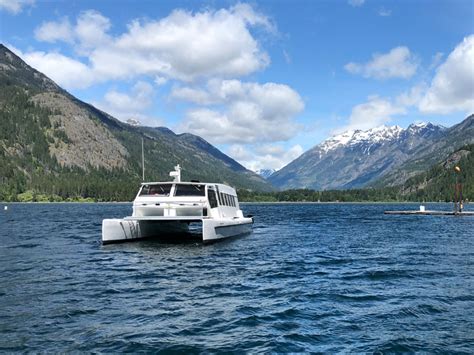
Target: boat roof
<point>221,186</point>
<point>181,182</point>
<point>177,180</point>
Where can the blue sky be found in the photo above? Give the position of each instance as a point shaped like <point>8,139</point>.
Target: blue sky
<point>262,80</point>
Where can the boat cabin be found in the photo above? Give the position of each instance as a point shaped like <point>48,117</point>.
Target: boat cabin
<point>186,199</point>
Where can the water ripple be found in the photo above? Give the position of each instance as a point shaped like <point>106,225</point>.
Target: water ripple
<point>321,278</point>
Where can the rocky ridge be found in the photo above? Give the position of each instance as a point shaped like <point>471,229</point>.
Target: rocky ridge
<point>381,156</point>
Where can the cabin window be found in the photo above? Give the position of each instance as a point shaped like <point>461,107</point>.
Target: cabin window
<point>221,199</point>
<point>156,190</point>
<point>212,198</point>
<point>190,190</point>
<point>218,195</point>
<point>233,201</point>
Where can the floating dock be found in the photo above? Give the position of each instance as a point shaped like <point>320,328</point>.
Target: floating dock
<point>431,213</point>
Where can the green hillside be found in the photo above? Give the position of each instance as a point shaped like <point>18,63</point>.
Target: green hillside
<point>437,183</point>
<point>56,147</point>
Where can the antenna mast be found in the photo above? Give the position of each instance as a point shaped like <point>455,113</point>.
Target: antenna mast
<point>143,163</point>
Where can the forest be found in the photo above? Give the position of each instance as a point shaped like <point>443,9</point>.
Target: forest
<point>28,172</point>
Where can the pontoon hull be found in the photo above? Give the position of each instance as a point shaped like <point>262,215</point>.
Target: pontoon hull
<point>128,229</point>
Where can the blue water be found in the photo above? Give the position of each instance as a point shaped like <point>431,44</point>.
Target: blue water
<point>311,278</point>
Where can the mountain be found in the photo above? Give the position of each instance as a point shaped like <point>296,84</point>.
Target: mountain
<point>437,182</point>
<point>431,153</point>
<point>377,157</point>
<point>265,173</point>
<point>54,143</point>
<point>434,184</point>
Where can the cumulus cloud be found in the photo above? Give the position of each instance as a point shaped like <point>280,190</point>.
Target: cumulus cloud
<point>412,96</point>
<point>266,156</point>
<point>452,88</point>
<point>375,112</point>
<point>54,31</point>
<point>91,31</point>
<point>241,112</point>
<point>398,63</point>
<point>15,6</point>
<point>183,46</point>
<point>65,71</point>
<point>131,105</point>
<point>356,3</point>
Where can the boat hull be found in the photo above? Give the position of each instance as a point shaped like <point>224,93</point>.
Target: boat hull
<point>129,229</point>
<point>215,229</point>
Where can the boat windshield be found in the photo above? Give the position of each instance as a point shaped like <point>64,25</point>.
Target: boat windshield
<point>190,190</point>
<point>156,190</point>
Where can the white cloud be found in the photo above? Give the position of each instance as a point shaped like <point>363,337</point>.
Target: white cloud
<point>375,112</point>
<point>266,156</point>
<point>183,46</point>
<point>452,88</point>
<point>131,105</point>
<point>188,46</point>
<point>65,71</point>
<point>15,6</point>
<point>195,95</point>
<point>398,63</point>
<point>242,112</point>
<point>91,31</point>
<point>436,60</point>
<point>356,3</point>
<point>159,80</point>
<point>140,98</point>
<point>287,57</point>
<point>411,97</point>
<point>385,12</point>
<point>55,31</point>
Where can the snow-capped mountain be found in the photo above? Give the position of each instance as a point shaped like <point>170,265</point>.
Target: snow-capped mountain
<point>265,173</point>
<point>355,158</point>
<point>358,137</point>
<point>377,136</point>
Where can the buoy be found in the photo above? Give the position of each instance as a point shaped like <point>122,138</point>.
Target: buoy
<point>5,208</point>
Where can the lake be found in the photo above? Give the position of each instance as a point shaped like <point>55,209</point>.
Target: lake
<point>310,278</point>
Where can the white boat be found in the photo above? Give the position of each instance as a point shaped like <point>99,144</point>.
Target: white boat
<point>169,208</point>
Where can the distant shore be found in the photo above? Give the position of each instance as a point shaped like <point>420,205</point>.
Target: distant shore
<point>241,203</point>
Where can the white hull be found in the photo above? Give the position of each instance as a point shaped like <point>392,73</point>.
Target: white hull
<point>165,209</point>
<point>130,228</point>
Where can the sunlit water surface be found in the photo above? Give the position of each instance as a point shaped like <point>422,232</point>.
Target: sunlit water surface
<point>311,277</point>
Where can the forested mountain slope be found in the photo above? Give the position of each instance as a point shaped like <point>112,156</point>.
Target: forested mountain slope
<point>55,144</point>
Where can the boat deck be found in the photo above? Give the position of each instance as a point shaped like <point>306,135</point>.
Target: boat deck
<point>166,218</point>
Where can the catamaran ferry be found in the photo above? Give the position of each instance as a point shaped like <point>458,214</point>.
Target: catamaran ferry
<point>168,208</point>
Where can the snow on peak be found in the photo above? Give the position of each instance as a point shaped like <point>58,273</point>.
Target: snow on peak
<point>424,125</point>
<point>378,135</point>
<point>265,173</point>
<point>354,137</point>
<point>420,125</point>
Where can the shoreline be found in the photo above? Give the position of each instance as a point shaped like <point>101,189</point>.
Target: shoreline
<point>241,203</point>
